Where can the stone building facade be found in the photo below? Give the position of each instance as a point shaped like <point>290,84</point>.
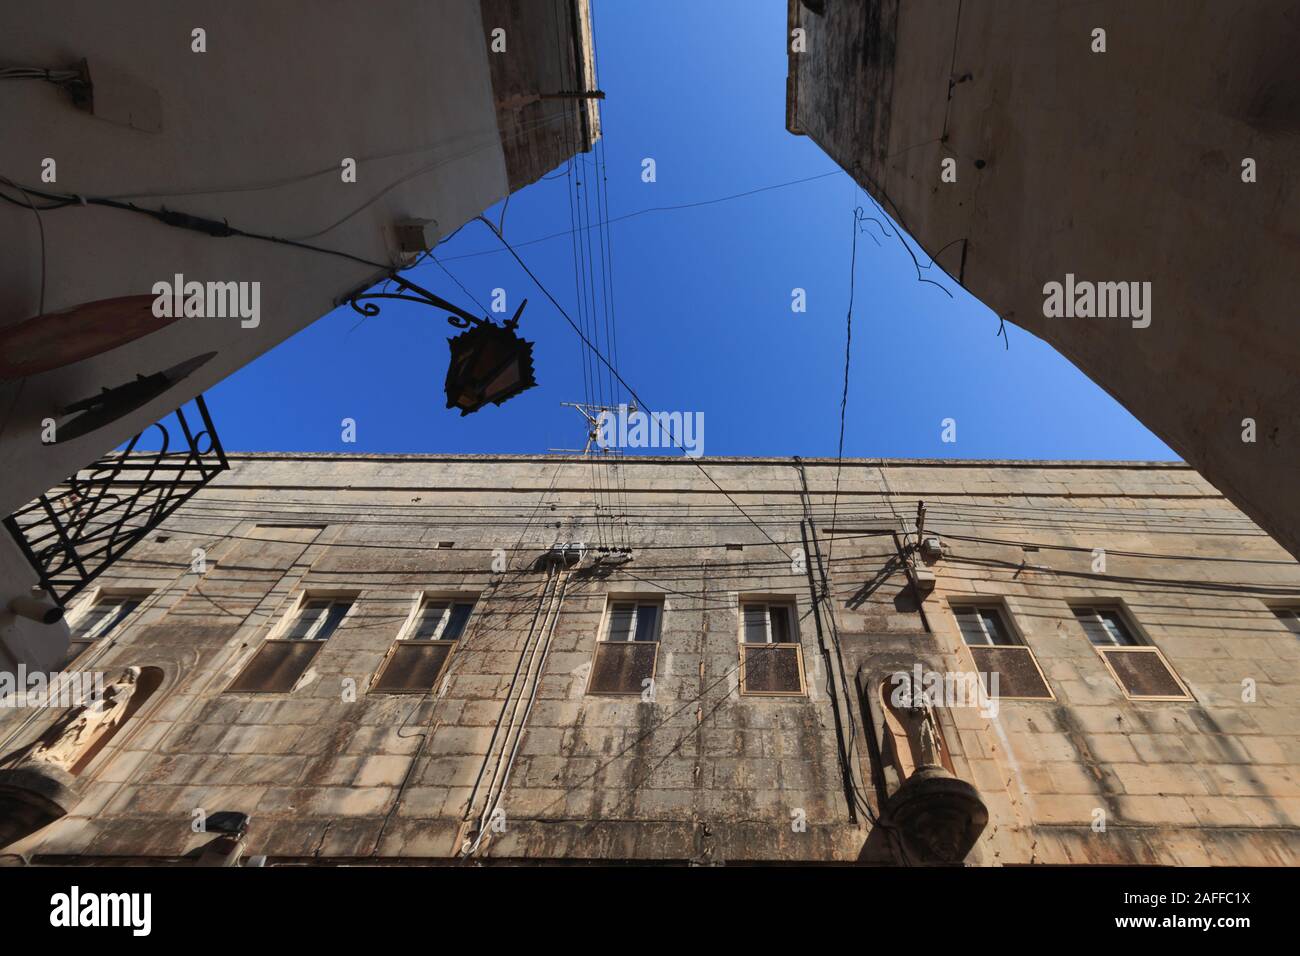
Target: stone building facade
<point>1029,143</point>
<point>491,659</point>
<point>366,132</point>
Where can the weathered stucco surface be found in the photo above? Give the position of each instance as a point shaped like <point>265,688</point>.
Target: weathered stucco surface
<point>254,132</point>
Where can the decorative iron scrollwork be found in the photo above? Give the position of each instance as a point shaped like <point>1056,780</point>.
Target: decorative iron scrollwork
<point>362,302</point>
<point>74,532</point>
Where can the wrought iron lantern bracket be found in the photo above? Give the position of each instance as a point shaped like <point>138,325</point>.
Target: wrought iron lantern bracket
<point>362,302</point>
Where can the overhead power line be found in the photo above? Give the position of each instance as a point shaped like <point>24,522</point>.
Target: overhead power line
<point>844,396</point>
<point>630,390</point>
<point>642,212</point>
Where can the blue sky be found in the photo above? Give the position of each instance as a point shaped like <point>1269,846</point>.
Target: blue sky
<point>702,296</point>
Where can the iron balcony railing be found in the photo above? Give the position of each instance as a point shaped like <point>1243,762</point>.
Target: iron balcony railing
<point>74,532</point>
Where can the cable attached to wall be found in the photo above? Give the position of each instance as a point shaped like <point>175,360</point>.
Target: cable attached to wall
<point>69,80</point>
<point>219,229</point>
<point>812,549</point>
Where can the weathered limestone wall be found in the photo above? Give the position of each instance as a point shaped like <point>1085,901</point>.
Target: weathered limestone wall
<point>1122,166</point>
<point>701,773</point>
<point>548,49</point>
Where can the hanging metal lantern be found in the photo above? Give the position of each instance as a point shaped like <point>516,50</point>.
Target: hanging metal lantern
<point>489,362</point>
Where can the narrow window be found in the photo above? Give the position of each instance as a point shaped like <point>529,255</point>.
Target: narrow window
<point>997,649</point>
<point>280,661</point>
<point>1137,666</point>
<point>420,655</point>
<point>99,621</point>
<point>317,619</point>
<point>625,660</point>
<point>1105,627</point>
<point>771,659</point>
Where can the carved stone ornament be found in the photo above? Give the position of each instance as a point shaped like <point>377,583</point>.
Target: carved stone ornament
<point>38,784</point>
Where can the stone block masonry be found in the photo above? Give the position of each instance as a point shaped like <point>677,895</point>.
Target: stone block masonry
<point>687,768</point>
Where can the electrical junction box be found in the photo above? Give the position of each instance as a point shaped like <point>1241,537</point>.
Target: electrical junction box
<point>563,555</point>
<point>931,548</point>
<point>114,96</point>
<point>416,235</point>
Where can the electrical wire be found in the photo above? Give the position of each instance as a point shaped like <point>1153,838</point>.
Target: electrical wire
<point>490,807</point>
<point>460,284</point>
<point>458,654</point>
<point>820,599</point>
<point>607,259</point>
<point>491,138</point>
<point>777,513</point>
<point>494,142</point>
<point>844,397</point>
<point>58,77</point>
<point>40,227</point>
<point>630,390</point>
<point>210,227</point>
<point>380,513</point>
<point>669,208</point>
<point>582,305</point>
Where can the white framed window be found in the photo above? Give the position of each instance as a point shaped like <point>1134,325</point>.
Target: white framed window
<point>769,623</point>
<point>627,648</point>
<point>101,615</point>
<point>316,619</point>
<point>997,648</point>
<point>771,657</point>
<point>424,646</point>
<point>1138,666</point>
<point>293,644</point>
<point>983,625</point>
<point>439,619</point>
<point>1105,625</point>
<point>633,621</point>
